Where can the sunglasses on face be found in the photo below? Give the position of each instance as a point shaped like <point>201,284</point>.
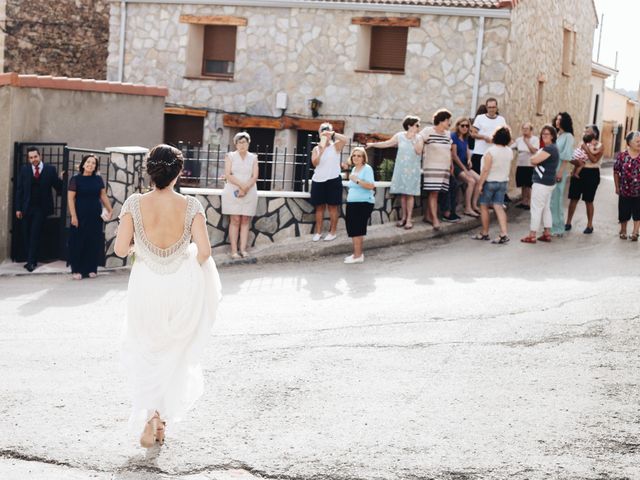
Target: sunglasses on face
<point>464,126</point>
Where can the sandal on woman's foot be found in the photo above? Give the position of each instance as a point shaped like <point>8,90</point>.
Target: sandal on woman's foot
<point>160,432</point>
<point>235,256</point>
<point>401,223</point>
<point>244,254</point>
<point>634,237</point>
<point>77,276</point>
<point>545,237</point>
<point>480,236</point>
<point>149,436</point>
<point>408,226</point>
<point>471,214</point>
<point>501,240</point>
<point>528,239</point>
<point>623,236</point>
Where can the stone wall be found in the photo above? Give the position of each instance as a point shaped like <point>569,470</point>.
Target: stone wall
<point>312,53</point>
<point>278,218</point>
<point>535,50</point>
<point>60,38</point>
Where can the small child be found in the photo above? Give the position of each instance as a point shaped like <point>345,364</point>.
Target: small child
<point>579,155</point>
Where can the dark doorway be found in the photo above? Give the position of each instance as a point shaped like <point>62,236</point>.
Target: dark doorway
<point>382,160</point>
<point>618,144</point>
<point>186,129</point>
<point>262,144</point>
<point>303,165</point>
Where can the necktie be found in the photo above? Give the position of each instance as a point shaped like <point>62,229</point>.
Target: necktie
<point>36,174</point>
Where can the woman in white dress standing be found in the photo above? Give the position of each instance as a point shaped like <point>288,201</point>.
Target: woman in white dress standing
<point>173,295</point>
<point>240,194</point>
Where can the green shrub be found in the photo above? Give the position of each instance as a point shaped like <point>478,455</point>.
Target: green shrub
<point>385,170</point>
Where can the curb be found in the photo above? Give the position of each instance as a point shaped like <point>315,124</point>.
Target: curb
<point>302,248</point>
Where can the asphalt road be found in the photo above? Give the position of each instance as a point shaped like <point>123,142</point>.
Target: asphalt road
<point>446,359</point>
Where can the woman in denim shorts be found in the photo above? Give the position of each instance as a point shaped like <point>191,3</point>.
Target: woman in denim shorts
<point>494,178</point>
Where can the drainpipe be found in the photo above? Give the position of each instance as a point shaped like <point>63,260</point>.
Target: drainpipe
<point>476,76</point>
<point>123,29</point>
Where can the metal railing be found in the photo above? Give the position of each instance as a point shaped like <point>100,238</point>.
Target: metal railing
<point>280,169</point>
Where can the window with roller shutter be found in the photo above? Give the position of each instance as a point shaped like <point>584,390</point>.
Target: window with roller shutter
<point>219,53</point>
<point>388,48</point>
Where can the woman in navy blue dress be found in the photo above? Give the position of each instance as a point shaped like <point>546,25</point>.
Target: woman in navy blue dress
<point>86,197</point>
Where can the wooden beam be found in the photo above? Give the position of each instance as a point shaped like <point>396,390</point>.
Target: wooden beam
<point>364,138</point>
<point>279,123</point>
<point>191,112</point>
<point>214,20</point>
<point>247,121</point>
<point>387,21</point>
<point>311,124</point>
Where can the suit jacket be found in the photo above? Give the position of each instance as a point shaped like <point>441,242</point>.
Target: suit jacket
<point>48,179</point>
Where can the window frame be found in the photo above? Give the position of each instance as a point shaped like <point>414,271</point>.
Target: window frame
<point>366,40</point>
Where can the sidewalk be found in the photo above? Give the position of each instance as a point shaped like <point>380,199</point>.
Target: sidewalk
<point>302,248</point>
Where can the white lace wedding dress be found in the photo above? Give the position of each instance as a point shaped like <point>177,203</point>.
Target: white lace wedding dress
<point>171,305</point>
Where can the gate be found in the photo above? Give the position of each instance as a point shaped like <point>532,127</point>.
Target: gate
<point>55,232</point>
<point>51,238</point>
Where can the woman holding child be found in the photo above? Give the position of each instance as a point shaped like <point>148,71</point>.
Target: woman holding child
<point>586,175</point>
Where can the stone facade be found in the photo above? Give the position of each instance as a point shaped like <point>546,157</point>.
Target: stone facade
<point>63,38</point>
<point>311,53</point>
<point>534,51</point>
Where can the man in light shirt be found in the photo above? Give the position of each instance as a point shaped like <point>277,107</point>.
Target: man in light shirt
<point>482,130</point>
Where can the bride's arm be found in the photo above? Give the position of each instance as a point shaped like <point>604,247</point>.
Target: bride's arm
<point>201,238</point>
<point>124,236</point>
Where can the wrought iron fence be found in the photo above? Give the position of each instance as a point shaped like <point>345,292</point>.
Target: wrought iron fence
<point>280,169</point>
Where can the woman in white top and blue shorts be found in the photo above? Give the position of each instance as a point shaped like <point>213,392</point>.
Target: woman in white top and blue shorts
<point>494,179</point>
<point>326,183</point>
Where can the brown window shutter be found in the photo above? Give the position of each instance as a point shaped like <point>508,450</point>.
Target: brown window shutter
<point>220,43</point>
<point>388,48</point>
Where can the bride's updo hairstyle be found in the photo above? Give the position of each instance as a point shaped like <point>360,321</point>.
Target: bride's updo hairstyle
<point>164,165</point>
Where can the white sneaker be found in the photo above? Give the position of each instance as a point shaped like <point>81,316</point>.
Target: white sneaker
<point>316,237</point>
<point>329,237</point>
<point>352,259</point>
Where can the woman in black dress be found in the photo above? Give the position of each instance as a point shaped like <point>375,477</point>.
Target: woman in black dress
<point>86,197</point>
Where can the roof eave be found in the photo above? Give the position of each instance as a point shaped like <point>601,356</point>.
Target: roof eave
<point>503,12</point>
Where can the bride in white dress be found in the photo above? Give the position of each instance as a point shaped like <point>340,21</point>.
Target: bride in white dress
<point>173,295</point>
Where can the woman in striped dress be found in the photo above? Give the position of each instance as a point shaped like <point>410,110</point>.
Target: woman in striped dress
<point>436,163</point>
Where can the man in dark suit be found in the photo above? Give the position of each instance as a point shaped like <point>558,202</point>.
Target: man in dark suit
<point>34,201</point>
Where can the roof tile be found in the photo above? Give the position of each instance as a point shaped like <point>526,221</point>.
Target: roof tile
<point>428,3</point>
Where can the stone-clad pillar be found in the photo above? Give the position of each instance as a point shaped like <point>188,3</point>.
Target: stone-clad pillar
<point>124,177</point>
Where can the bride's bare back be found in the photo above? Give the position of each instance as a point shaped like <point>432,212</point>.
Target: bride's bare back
<point>163,217</point>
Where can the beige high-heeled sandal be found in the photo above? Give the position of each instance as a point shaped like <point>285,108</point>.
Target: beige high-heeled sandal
<point>153,431</point>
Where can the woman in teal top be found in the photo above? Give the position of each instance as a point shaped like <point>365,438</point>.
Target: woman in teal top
<point>360,200</point>
<point>564,125</point>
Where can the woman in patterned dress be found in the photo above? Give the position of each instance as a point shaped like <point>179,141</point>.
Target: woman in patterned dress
<point>406,171</point>
<point>437,159</point>
<point>172,298</point>
<point>626,177</point>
